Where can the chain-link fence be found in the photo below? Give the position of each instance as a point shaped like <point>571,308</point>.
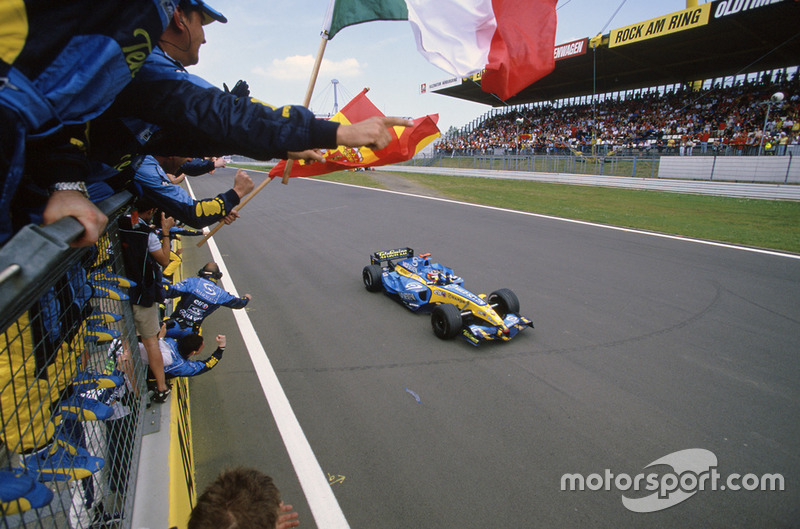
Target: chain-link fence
<point>72,394</point>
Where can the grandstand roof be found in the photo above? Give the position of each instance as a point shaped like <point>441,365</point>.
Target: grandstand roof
<point>732,37</point>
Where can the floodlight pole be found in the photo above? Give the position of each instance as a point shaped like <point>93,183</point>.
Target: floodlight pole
<point>335,83</point>
<point>594,43</point>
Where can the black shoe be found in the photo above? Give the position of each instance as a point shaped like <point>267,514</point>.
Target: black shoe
<point>161,396</point>
<point>104,519</point>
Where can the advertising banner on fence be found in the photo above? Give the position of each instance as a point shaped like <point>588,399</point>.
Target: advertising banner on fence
<point>570,49</point>
<point>657,27</point>
<point>734,7</point>
<point>439,85</point>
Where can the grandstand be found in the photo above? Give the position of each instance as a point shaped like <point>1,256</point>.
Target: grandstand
<point>718,120</point>
<point>620,93</point>
<point>760,36</point>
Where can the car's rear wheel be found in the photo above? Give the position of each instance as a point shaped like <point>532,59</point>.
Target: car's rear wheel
<point>372,278</point>
<point>504,301</point>
<point>446,321</point>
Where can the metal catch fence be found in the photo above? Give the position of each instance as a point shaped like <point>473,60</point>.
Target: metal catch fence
<point>72,396</point>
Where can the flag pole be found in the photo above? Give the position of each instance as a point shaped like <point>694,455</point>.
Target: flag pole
<point>307,100</point>
<point>288,168</point>
<point>239,206</point>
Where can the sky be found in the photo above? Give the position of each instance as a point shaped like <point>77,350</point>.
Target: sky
<point>272,45</point>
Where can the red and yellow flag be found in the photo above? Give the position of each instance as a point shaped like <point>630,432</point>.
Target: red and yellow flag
<point>406,142</point>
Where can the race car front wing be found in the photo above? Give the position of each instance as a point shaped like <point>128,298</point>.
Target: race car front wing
<point>475,334</point>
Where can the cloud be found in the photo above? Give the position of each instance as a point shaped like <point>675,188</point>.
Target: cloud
<point>298,67</point>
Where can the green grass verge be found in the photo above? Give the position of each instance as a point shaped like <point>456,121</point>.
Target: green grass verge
<point>773,224</point>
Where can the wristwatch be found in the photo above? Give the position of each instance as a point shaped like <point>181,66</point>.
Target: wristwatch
<point>70,186</point>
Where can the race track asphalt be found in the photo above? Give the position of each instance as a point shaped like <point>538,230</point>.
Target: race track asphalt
<point>644,346</point>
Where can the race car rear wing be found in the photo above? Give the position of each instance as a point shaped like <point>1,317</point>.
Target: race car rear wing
<point>390,255</point>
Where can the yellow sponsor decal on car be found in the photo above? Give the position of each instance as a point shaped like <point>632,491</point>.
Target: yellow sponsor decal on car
<point>392,254</point>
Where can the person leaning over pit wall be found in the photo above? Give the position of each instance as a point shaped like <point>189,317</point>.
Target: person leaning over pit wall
<point>177,355</point>
<point>152,181</point>
<point>53,79</point>
<point>200,297</point>
<point>170,112</point>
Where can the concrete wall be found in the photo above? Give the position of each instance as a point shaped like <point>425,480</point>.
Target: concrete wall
<point>771,169</point>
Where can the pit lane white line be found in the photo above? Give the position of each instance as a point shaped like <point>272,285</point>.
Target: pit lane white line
<point>582,222</point>
<point>321,500</point>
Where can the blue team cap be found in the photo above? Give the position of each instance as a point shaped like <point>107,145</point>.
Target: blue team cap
<point>209,13</point>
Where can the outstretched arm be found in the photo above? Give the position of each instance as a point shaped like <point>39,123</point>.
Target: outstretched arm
<point>193,368</point>
<point>237,303</point>
<point>216,356</point>
<point>372,132</point>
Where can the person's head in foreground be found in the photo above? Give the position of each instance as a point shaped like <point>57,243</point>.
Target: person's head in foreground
<point>242,498</point>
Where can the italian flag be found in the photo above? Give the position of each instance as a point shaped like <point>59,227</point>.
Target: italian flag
<point>513,40</point>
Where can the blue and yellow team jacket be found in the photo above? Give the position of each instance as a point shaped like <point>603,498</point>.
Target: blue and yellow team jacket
<point>170,112</point>
<point>62,63</point>
<point>176,202</point>
<point>199,298</point>
<point>177,366</point>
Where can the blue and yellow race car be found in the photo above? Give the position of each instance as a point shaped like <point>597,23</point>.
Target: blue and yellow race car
<point>423,286</point>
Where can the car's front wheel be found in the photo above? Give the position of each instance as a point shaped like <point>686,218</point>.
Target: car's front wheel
<point>372,278</point>
<point>446,321</point>
<point>504,301</point>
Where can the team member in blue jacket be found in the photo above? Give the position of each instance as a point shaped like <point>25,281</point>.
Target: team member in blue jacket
<point>61,65</point>
<point>185,348</point>
<point>200,296</point>
<point>177,354</point>
<point>151,178</point>
<point>168,111</point>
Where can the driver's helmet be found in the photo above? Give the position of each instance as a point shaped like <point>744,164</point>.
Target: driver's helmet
<point>433,276</point>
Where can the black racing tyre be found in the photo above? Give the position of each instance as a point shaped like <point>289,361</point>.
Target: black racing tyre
<point>506,301</point>
<point>372,278</point>
<point>446,321</point>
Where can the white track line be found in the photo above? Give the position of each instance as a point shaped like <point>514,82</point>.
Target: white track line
<point>573,221</point>
<point>582,222</point>
<point>324,506</point>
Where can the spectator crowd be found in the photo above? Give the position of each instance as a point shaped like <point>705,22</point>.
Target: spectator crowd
<point>715,120</point>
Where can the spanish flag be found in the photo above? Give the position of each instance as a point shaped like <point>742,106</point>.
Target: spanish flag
<point>406,142</point>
